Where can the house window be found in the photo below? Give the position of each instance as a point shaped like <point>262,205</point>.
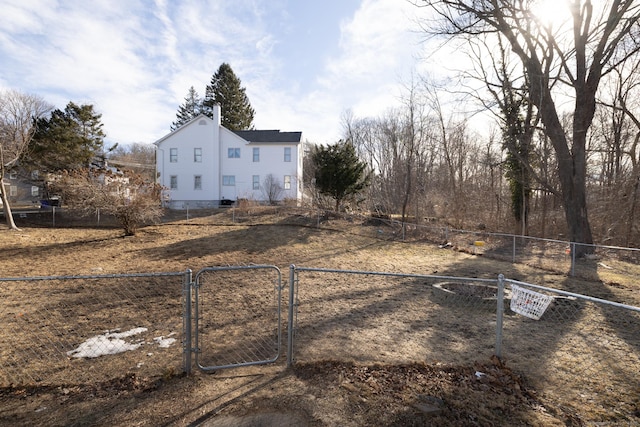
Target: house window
<point>13,190</point>
<point>256,182</point>
<point>256,154</point>
<point>228,180</point>
<point>197,182</point>
<point>287,154</point>
<point>35,191</point>
<point>233,153</point>
<point>13,175</point>
<point>173,182</point>
<point>287,182</point>
<point>35,175</point>
<point>173,155</point>
<point>197,155</point>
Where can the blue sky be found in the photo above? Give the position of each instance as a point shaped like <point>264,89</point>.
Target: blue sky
<point>303,62</point>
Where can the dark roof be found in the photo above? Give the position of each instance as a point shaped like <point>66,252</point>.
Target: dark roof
<point>268,135</point>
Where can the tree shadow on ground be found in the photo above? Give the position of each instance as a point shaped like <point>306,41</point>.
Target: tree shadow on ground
<point>241,240</point>
<point>582,355</point>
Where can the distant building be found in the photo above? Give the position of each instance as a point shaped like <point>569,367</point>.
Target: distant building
<point>24,188</point>
<point>30,187</point>
<point>203,164</point>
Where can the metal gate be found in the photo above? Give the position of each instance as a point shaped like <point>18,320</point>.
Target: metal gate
<point>237,316</point>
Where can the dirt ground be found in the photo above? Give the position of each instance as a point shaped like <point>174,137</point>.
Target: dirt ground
<point>370,351</point>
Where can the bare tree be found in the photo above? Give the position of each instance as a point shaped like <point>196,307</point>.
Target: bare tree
<point>17,113</point>
<point>595,43</point>
<point>132,200</point>
<point>617,152</point>
<point>455,151</point>
<point>139,158</point>
<point>272,189</point>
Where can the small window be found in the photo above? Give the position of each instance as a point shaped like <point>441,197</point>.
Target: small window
<point>287,182</point>
<point>173,155</point>
<point>197,155</point>
<point>173,182</point>
<point>35,191</point>
<point>233,153</point>
<point>256,182</point>
<point>13,190</point>
<point>256,154</point>
<point>197,182</point>
<point>228,180</point>
<point>287,154</point>
<point>13,175</point>
<point>35,175</point>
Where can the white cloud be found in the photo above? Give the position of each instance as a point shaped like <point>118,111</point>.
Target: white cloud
<point>376,53</point>
<point>136,60</point>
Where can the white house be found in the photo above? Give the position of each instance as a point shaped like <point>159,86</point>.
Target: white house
<point>203,164</point>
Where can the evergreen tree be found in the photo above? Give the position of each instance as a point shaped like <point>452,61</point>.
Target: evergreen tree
<point>338,171</point>
<point>225,90</point>
<point>191,108</point>
<point>68,139</point>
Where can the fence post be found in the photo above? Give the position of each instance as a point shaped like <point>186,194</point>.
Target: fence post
<point>513,257</point>
<point>53,216</point>
<point>186,348</point>
<point>573,258</point>
<point>499,315</point>
<point>292,272</point>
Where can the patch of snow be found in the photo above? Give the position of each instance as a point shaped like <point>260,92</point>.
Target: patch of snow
<point>108,343</point>
<point>164,342</point>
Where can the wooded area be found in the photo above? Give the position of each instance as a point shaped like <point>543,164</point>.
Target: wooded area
<point>560,161</point>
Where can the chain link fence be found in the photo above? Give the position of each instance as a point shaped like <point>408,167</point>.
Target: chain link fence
<point>579,352</point>
<point>90,329</point>
<point>564,257</point>
<point>371,317</point>
<point>591,262</point>
<point>575,350</point>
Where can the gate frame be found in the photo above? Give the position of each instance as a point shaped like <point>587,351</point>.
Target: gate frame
<point>193,292</point>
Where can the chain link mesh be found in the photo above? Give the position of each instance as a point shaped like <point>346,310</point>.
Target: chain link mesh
<point>393,318</point>
<point>581,350</point>
<point>238,316</point>
<point>90,329</point>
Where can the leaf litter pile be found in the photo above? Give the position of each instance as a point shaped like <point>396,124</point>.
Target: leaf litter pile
<point>419,394</point>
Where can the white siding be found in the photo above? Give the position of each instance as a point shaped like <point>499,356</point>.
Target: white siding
<point>201,133</point>
<point>215,140</point>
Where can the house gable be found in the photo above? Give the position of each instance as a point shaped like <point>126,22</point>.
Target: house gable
<point>201,120</point>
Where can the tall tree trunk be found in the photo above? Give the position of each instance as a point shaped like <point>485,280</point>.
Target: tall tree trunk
<point>7,207</point>
<point>572,169</point>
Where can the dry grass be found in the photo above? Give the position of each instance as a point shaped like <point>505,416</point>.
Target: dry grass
<point>369,350</point>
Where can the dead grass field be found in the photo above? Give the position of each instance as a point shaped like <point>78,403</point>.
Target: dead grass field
<point>369,350</point>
